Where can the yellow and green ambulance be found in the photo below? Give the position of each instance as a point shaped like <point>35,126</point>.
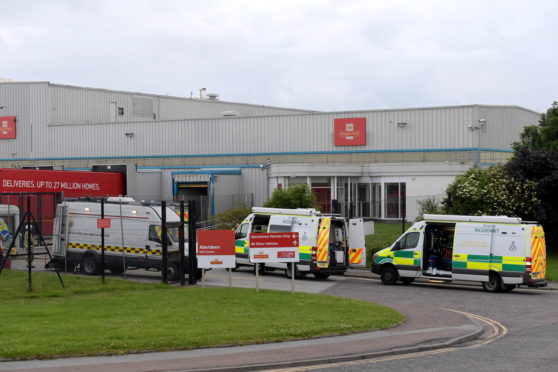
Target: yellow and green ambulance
<point>328,244</point>
<point>500,252</point>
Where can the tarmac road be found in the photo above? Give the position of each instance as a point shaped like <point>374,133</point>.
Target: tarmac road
<point>530,317</point>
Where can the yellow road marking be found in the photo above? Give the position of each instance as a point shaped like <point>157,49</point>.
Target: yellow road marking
<point>498,329</point>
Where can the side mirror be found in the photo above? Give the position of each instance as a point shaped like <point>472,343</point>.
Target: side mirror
<point>396,247</point>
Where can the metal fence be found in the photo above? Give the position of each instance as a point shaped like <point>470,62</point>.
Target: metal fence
<point>114,236</point>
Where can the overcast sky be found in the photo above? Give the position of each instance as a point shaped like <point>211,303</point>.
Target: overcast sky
<point>322,55</point>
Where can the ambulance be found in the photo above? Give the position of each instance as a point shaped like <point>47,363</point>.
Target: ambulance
<point>328,244</point>
<point>500,252</point>
<point>133,240</point>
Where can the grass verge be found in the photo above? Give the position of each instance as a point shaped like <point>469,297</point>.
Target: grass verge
<point>552,266</point>
<point>118,317</point>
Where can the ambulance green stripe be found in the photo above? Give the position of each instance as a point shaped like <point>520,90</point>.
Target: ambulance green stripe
<point>305,256</point>
<point>460,264</point>
<point>478,258</point>
<point>496,259</point>
<point>514,268</point>
<point>403,254</point>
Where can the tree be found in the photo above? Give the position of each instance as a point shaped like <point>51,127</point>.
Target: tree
<point>536,160</point>
<point>543,136</point>
<point>297,196</point>
<point>540,167</point>
<point>429,205</point>
<point>492,191</point>
<point>231,217</point>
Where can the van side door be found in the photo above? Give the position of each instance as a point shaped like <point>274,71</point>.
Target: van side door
<point>471,251</point>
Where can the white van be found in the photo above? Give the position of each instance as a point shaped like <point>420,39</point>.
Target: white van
<point>501,252</point>
<point>341,239</point>
<point>133,240</point>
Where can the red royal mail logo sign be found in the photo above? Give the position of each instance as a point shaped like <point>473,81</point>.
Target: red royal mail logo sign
<point>7,127</point>
<point>103,223</point>
<point>350,132</point>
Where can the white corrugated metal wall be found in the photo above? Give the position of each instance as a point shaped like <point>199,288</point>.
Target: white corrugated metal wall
<point>77,105</point>
<point>29,103</point>
<point>42,104</point>
<point>426,129</point>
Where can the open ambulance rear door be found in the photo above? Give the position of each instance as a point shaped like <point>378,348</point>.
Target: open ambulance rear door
<point>357,243</point>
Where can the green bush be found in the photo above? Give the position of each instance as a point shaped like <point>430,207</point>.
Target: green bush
<point>230,218</point>
<point>297,196</point>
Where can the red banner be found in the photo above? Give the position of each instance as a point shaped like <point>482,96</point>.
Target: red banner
<point>7,127</point>
<point>72,183</point>
<point>350,132</point>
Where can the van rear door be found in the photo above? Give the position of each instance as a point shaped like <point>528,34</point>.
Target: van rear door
<point>357,243</point>
<point>538,253</point>
<point>60,231</point>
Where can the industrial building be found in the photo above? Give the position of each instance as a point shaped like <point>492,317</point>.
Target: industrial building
<point>374,163</point>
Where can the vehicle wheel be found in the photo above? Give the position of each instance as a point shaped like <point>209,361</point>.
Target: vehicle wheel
<point>389,275</point>
<point>507,287</point>
<point>199,273</point>
<point>262,269</point>
<point>173,272</point>
<point>89,265</point>
<point>298,274</point>
<point>407,280</point>
<point>321,276</point>
<point>494,283</point>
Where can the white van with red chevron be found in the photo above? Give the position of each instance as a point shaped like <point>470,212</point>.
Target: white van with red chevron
<point>328,243</point>
<point>500,252</point>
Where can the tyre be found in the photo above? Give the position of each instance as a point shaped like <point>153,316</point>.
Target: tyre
<point>320,276</point>
<point>199,273</point>
<point>173,272</point>
<point>388,275</point>
<point>89,265</point>
<point>298,274</point>
<point>407,280</point>
<point>261,271</point>
<point>494,283</point>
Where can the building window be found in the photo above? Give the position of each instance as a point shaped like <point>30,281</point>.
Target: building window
<point>363,200</point>
<point>321,187</point>
<point>395,196</point>
<point>376,199</point>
